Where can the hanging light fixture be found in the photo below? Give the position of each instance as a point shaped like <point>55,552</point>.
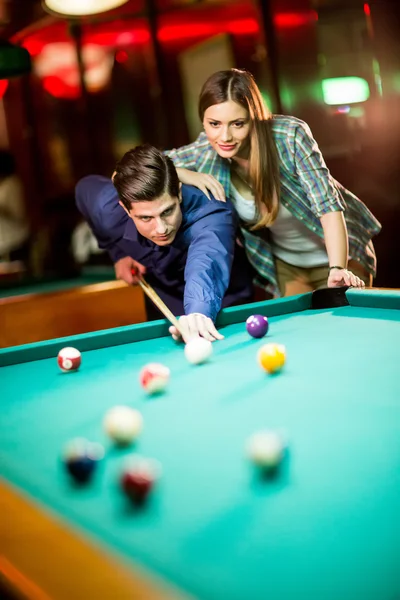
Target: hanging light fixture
<point>14,60</point>
<point>80,8</point>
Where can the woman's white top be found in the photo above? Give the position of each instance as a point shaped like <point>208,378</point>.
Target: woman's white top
<point>291,240</point>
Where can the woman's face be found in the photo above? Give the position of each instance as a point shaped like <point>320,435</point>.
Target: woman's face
<point>227,126</point>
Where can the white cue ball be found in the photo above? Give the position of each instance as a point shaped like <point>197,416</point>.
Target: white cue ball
<point>266,449</point>
<point>123,424</point>
<point>198,350</point>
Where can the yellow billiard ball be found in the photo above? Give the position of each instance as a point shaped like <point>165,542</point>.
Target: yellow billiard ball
<point>271,357</point>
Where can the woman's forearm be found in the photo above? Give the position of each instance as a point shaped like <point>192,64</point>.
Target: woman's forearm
<point>182,174</point>
<point>336,240</point>
<point>204,182</point>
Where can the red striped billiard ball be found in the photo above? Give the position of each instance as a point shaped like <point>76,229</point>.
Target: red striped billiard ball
<point>139,477</point>
<point>154,378</point>
<point>69,359</point>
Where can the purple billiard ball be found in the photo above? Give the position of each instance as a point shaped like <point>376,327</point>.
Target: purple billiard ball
<point>257,326</point>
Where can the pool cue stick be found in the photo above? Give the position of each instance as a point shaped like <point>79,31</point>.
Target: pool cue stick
<point>162,307</point>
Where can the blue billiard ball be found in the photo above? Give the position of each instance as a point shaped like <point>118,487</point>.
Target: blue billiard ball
<point>81,468</point>
<point>81,458</point>
<point>257,326</point>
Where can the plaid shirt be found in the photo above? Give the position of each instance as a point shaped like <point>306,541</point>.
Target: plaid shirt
<point>308,191</point>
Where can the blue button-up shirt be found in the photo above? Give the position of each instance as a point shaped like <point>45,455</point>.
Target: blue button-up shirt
<point>195,267</point>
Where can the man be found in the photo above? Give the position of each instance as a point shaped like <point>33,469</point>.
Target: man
<point>183,242</point>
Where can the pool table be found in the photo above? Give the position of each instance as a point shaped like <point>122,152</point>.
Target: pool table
<point>88,275</point>
<point>326,527</point>
<point>37,313</point>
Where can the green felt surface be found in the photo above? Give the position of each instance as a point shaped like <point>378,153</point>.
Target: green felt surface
<point>327,527</point>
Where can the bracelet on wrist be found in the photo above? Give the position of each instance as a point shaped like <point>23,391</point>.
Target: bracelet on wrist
<point>336,267</point>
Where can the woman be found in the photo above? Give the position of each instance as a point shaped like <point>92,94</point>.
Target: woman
<point>302,230</point>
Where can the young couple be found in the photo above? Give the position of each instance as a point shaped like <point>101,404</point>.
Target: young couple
<point>253,189</point>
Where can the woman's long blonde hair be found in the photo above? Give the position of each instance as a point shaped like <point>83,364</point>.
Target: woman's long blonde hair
<point>239,85</point>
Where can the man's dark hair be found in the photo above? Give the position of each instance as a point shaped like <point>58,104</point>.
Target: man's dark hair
<point>145,173</point>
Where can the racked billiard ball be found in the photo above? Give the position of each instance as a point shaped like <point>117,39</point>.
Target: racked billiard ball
<point>257,326</point>
<point>272,357</point>
<point>69,359</point>
<point>123,424</point>
<point>81,458</point>
<point>154,378</point>
<point>139,477</point>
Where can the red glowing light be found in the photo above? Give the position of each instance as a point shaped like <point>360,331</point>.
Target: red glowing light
<point>56,87</point>
<point>138,36</point>
<point>169,33</point>
<point>242,26</point>
<point>295,19</point>
<point>118,38</point>
<point>121,56</point>
<point>367,10</point>
<point>33,46</point>
<point>3,87</point>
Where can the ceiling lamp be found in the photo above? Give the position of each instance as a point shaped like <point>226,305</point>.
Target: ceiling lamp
<point>14,60</point>
<point>80,8</point>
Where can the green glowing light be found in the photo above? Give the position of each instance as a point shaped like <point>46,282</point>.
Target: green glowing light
<point>266,99</point>
<point>345,90</point>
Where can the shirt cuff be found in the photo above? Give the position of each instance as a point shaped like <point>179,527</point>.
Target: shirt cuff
<point>203,308</point>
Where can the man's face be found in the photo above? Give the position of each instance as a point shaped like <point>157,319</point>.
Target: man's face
<point>157,220</point>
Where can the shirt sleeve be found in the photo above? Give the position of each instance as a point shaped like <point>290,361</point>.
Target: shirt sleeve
<point>97,201</point>
<point>209,259</point>
<point>314,175</point>
<point>185,157</point>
